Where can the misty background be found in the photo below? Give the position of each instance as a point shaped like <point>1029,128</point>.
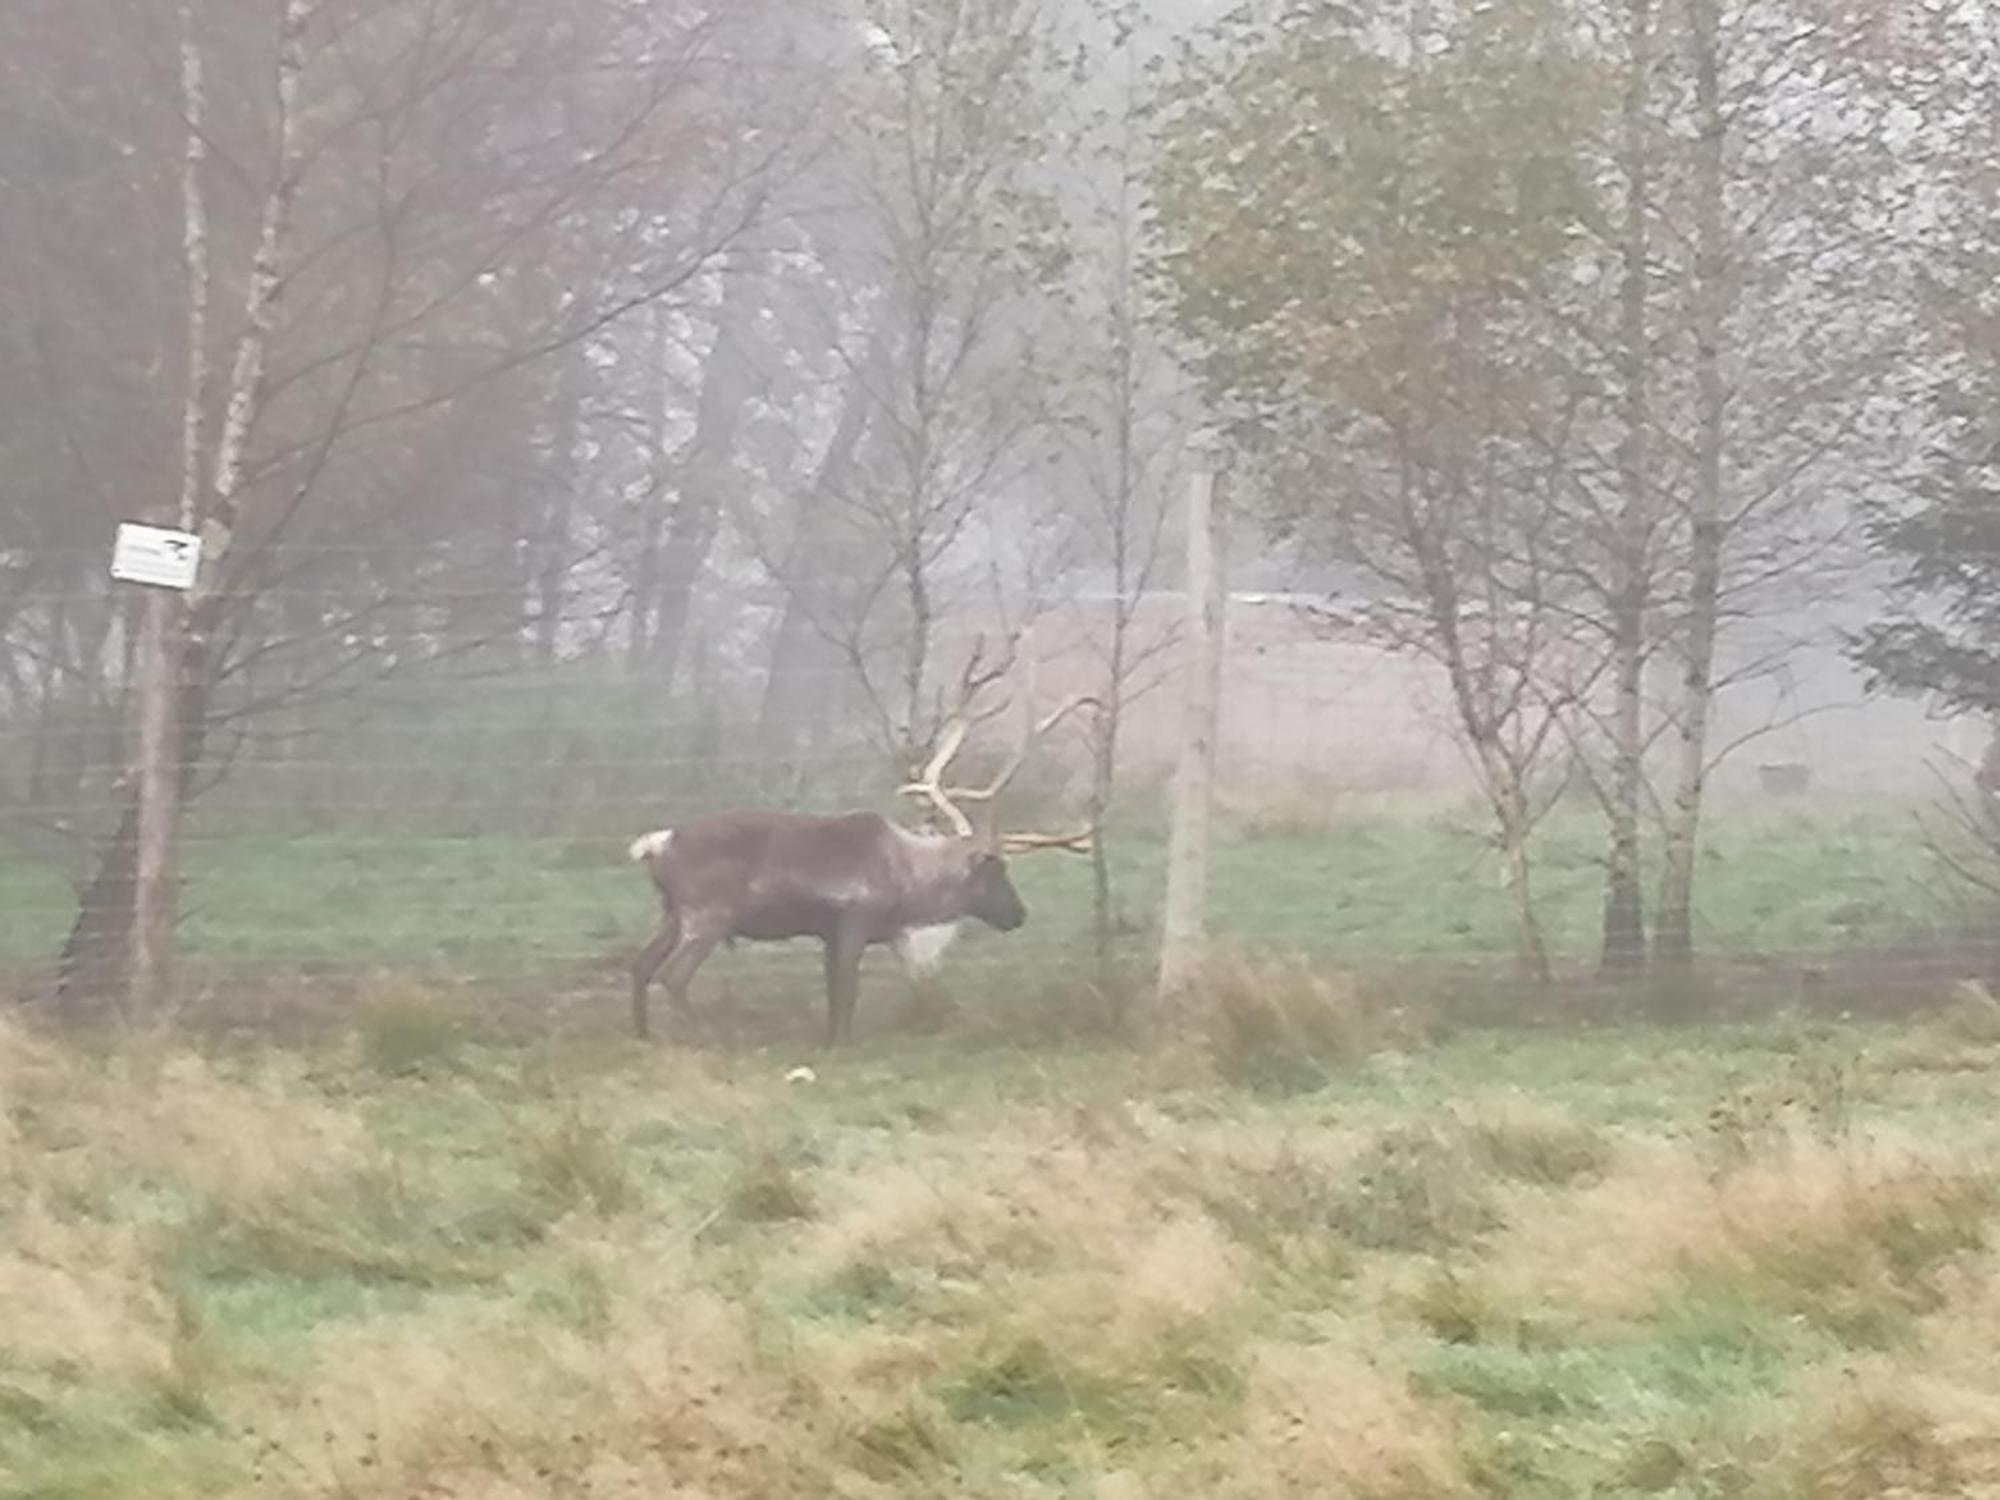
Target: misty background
<point>596,413</point>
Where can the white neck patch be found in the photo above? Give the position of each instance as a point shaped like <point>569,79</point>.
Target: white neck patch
<point>923,948</point>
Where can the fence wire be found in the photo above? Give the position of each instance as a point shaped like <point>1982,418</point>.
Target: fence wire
<point>471,827</point>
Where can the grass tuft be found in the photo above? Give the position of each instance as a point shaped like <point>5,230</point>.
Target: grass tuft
<point>369,1225</point>
<point>1869,1273</point>
<point>406,1031</point>
<point>767,1187</point>
<point>1283,1212</point>
<point>912,1443</point>
<point>1415,1189</point>
<point>1457,1308</point>
<point>1545,1150</point>
<point>575,1166</point>
<point>1281,1026</point>
<point>1972,1017</point>
<point>1174,1377</point>
<point>1878,1444</point>
<point>186,1387</point>
<point>1325,1419</point>
<point>1815,1095</point>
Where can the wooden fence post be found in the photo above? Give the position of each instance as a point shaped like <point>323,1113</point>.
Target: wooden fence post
<point>1183,929</point>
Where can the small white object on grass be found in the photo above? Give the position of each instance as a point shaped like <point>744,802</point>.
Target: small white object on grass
<point>802,1075</point>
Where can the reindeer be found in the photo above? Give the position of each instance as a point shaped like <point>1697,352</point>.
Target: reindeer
<point>852,880</point>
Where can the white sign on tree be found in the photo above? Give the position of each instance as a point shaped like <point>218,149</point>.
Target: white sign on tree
<point>154,555</point>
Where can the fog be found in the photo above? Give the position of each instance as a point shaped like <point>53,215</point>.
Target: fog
<point>597,414</point>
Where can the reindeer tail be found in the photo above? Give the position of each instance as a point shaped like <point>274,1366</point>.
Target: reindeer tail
<point>649,846</point>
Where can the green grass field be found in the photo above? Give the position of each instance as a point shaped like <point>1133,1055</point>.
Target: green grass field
<point>1378,881</point>
<point>1739,1261</point>
<point>1325,1242</point>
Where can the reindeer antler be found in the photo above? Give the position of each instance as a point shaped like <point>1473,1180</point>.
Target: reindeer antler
<point>930,786</point>
<point>1036,730</point>
<point>980,674</point>
<point>1083,841</point>
<point>951,739</point>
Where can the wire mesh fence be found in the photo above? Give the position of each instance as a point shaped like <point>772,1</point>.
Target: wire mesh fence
<point>468,823</point>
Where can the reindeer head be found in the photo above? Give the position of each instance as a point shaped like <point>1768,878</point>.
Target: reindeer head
<point>990,894</point>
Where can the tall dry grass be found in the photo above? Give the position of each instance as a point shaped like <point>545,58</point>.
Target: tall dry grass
<point>608,1272</point>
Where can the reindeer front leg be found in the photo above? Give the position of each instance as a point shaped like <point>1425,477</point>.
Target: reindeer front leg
<point>843,983</point>
<point>930,1004</point>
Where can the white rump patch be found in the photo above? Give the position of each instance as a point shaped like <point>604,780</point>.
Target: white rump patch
<point>923,948</point>
<point>647,845</point>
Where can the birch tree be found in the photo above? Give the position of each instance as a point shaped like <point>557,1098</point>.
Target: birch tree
<point>1133,417</point>
<point>1359,227</point>
<point>1935,533</point>
<point>940,255</point>
<point>1636,533</point>
<point>421,170</point>
<point>1790,319</point>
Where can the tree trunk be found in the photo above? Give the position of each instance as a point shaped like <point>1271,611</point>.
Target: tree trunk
<point>51,721</point>
<point>555,533</point>
<point>1502,777</point>
<point>789,699</point>
<point>1675,940</point>
<point>802,660</point>
<point>195,252</point>
<point>1624,951</point>
<point>550,592</point>
<point>156,784</point>
<point>1531,951</point>
<point>1104,758</point>
<point>1123,498</point>
<point>1624,947</point>
<point>645,587</point>
<point>651,526</point>
<point>156,794</point>
<point>99,938</point>
<point>109,913</point>
<point>709,481</point>
<point>1103,781</point>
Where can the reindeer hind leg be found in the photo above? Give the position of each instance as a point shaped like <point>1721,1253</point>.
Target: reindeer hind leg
<point>645,966</point>
<point>696,942</point>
